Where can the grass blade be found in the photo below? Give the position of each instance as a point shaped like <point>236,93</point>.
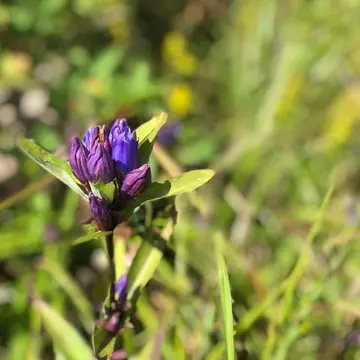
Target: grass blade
<point>64,335</point>
<point>226,307</point>
<point>60,275</point>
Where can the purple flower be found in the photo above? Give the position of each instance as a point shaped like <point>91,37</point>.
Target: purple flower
<point>78,160</point>
<point>100,164</point>
<point>121,291</point>
<point>136,180</point>
<point>98,207</point>
<point>51,233</point>
<point>119,355</point>
<point>169,133</point>
<point>88,135</point>
<point>124,147</point>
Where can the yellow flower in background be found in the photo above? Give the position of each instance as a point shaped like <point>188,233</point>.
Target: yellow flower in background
<point>4,16</point>
<point>305,327</point>
<point>174,44</point>
<point>94,86</point>
<point>291,95</point>
<point>180,99</point>
<point>176,54</point>
<point>120,30</point>
<point>14,67</point>
<point>344,113</point>
<point>185,64</point>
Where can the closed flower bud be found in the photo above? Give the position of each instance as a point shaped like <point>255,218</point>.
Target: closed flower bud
<point>98,207</point>
<point>121,291</point>
<point>88,136</point>
<point>169,133</point>
<point>124,147</point>
<point>78,160</point>
<point>136,180</point>
<point>100,164</point>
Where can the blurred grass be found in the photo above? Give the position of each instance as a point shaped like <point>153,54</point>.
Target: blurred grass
<point>266,93</point>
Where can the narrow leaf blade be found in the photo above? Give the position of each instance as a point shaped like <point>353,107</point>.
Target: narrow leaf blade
<point>65,336</point>
<point>186,182</point>
<point>90,236</point>
<point>51,163</point>
<point>60,275</point>
<point>146,134</point>
<point>226,307</point>
<point>102,342</point>
<point>146,261</point>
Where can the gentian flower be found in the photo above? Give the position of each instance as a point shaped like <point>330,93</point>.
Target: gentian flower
<point>98,207</point>
<point>109,156</point>
<point>124,147</point>
<point>136,180</point>
<point>88,135</point>
<point>121,292</point>
<point>100,164</point>
<point>169,133</point>
<point>78,160</point>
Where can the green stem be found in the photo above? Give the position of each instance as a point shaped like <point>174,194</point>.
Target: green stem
<point>110,251</point>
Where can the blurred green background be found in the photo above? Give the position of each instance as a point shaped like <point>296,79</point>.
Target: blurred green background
<point>265,92</point>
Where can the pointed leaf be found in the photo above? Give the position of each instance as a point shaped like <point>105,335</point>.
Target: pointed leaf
<point>103,342</point>
<point>146,261</point>
<point>146,134</point>
<point>51,163</point>
<point>226,307</point>
<point>106,191</point>
<point>186,182</point>
<point>64,335</point>
<point>61,276</point>
<point>90,236</point>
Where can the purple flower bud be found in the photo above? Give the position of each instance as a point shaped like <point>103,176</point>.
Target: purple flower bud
<point>121,291</point>
<point>136,180</point>
<point>100,164</point>
<point>51,233</point>
<point>98,207</point>
<point>78,160</point>
<point>169,133</point>
<point>88,135</point>
<point>119,355</point>
<point>124,147</point>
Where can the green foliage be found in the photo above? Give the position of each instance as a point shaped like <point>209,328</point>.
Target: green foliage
<point>64,335</point>
<point>59,274</point>
<point>146,135</point>
<point>186,182</point>
<point>264,93</point>
<point>226,307</point>
<point>147,259</point>
<point>51,163</point>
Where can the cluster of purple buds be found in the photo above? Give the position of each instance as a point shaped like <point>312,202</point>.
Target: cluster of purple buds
<point>109,155</point>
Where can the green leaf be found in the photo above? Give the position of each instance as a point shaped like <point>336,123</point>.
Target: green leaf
<point>80,301</point>
<point>90,236</point>
<point>19,242</point>
<point>186,182</point>
<point>216,352</point>
<point>106,191</point>
<point>146,260</point>
<point>51,163</point>
<point>226,307</point>
<point>63,334</point>
<point>146,134</point>
<point>103,342</point>
<point>106,63</point>
<point>119,255</point>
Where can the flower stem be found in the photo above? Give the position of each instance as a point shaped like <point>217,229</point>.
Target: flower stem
<point>110,251</point>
